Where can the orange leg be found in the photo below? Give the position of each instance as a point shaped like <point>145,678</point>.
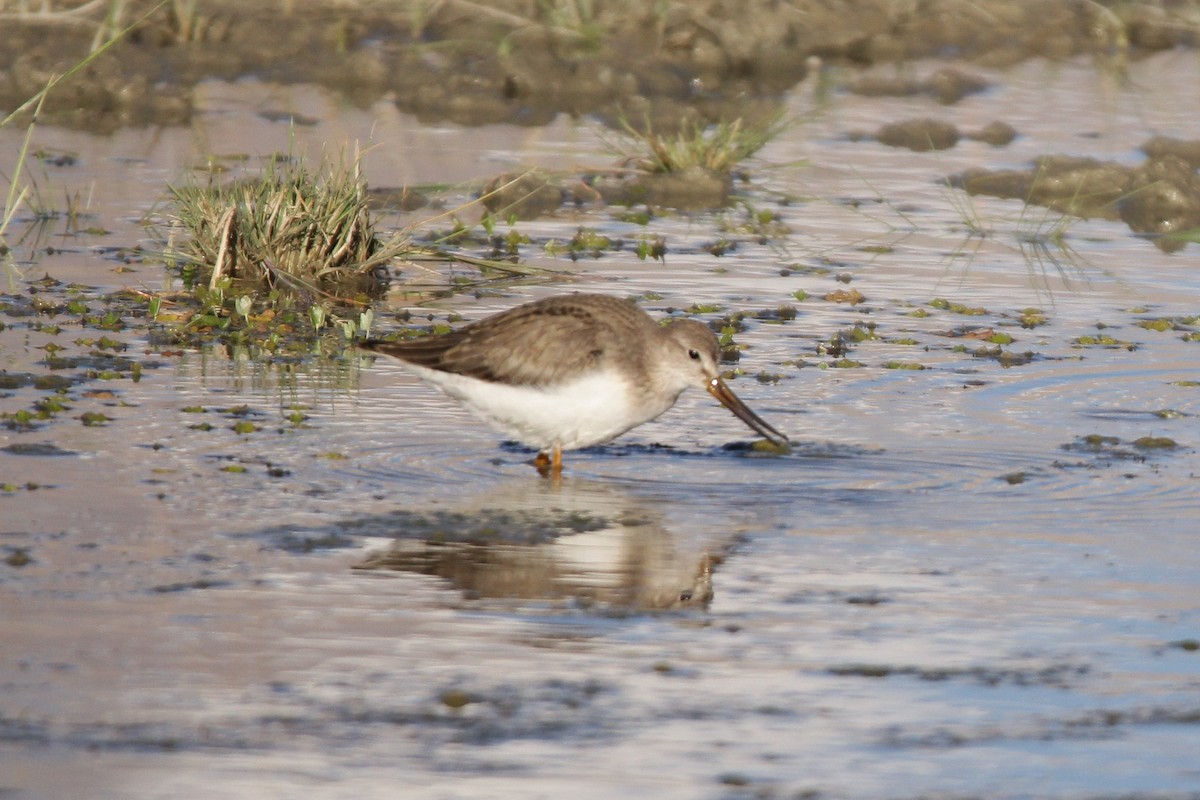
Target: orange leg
<point>549,465</point>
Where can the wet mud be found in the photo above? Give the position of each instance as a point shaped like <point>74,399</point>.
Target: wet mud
<point>473,64</point>
<point>1159,198</point>
<point>516,63</point>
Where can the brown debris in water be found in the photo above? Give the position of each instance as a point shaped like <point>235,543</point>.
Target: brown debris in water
<point>919,135</point>
<point>997,134</point>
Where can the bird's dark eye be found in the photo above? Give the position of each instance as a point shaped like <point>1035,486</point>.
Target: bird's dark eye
<point>694,355</point>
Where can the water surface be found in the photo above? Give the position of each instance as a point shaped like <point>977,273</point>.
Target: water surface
<point>966,580</point>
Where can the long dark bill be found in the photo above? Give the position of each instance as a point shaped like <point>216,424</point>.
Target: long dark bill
<point>717,388</point>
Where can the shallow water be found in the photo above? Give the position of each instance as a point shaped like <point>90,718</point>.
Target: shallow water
<point>947,589</point>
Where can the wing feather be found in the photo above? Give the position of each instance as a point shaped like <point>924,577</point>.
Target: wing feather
<point>537,344</point>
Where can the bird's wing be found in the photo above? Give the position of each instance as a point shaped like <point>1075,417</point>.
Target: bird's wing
<point>538,344</point>
<point>424,352</point>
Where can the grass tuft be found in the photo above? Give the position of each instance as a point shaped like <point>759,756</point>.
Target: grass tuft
<point>718,148</point>
<point>292,227</point>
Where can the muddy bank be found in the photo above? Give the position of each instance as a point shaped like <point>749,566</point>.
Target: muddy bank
<point>523,63</point>
<point>1159,199</point>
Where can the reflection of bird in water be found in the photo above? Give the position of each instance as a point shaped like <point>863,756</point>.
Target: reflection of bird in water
<point>614,569</point>
<point>589,545</point>
<point>572,371</point>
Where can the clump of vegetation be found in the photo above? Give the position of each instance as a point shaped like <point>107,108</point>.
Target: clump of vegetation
<point>1155,443</point>
<point>1031,317</point>
<point>849,296</point>
<point>1102,340</point>
<point>284,261</point>
<point>585,242</point>
<point>717,148</point>
<point>290,228</point>
<point>957,308</point>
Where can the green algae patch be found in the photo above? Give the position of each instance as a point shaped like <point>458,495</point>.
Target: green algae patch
<point>1032,317</point>
<point>52,383</point>
<point>47,407</point>
<point>1102,340</point>
<point>910,365</point>
<point>455,698</point>
<point>19,557</point>
<point>1056,675</point>
<point>957,308</point>
<point>36,449</point>
<point>1110,448</point>
<point>861,332</point>
<point>1006,358</point>
<point>768,448</point>
<point>586,242</point>
<point>652,247</point>
<point>78,355</point>
<point>1097,441</point>
<point>861,670</point>
<point>779,314</point>
<point>1155,443</point>
<point>1163,324</point>
<point>8,487</point>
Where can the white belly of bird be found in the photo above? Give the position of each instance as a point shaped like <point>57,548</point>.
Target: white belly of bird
<point>584,412</point>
